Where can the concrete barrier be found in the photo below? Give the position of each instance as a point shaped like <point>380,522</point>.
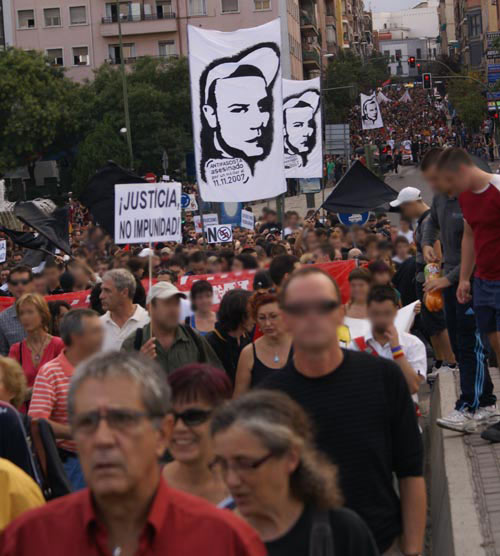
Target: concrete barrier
<point>455,523</point>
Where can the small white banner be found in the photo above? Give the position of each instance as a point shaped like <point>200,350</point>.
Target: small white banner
<point>247,220</point>
<point>193,205</point>
<point>371,117</point>
<point>3,250</point>
<point>222,233</point>
<point>211,219</point>
<point>147,212</point>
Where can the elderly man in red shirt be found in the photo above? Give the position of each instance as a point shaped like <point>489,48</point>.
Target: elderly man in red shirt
<point>120,413</point>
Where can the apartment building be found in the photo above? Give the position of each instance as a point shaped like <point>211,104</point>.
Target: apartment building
<point>447,27</point>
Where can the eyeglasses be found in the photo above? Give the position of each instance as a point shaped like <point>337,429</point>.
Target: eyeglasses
<point>322,307</point>
<point>24,282</point>
<point>239,465</point>
<point>193,417</point>
<point>121,420</point>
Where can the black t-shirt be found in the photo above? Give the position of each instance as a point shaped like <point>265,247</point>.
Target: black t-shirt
<point>365,422</point>
<point>351,536</point>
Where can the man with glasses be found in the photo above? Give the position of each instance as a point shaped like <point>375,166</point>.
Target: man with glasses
<point>120,414</point>
<point>11,330</point>
<point>82,333</point>
<point>363,413</point>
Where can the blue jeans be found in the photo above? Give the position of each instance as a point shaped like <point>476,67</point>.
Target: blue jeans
<point>469,348</point>
<point>74,472</point>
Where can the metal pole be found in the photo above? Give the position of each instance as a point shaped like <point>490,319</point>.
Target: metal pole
<point>125,91</point>
<point>200,210</point>
<point>323,130</point>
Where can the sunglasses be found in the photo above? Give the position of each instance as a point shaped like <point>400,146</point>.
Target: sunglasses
<point>319,307</point>
<point>23,282</point>
<point>193,417</point>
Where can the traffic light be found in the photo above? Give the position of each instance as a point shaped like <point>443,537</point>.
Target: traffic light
<point>427,81</point>
<point>411,61</point>
<point>419,69</point>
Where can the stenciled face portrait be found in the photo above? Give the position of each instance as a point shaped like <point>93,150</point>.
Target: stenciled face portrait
<point>370,110</point>
<point>237,106</point>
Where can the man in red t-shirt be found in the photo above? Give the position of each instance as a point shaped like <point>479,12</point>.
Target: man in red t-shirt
<point>479,198</point>
<point>119,407</point>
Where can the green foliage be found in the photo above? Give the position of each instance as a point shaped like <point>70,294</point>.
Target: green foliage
<point>349,69</point>
<point>465,96</point>
<point>36,108</point>
<point>160,116</point>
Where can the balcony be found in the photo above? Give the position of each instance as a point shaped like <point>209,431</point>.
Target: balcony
<point>310,58</point>
<point>308,24</point>
<point>131,60</point>
<point>139,24</point>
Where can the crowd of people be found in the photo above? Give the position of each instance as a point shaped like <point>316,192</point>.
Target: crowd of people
<point>284,420</point>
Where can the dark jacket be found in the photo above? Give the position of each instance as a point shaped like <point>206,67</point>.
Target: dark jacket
<point>227,348</point>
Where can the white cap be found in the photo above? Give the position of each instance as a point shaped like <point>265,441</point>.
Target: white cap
<point>163,290</point>
<point>407,195</point>
<point>146,252</point>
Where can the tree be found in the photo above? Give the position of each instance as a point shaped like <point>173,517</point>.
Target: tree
<point>160,115</point>
<point>467,99</point>
<point>36,109</point>
<point>348,69</point>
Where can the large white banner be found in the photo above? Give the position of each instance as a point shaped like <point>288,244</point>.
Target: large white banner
<point>146,212</point>
<point>236,96</point>
<point>371,117</point>
<point>302,128</point>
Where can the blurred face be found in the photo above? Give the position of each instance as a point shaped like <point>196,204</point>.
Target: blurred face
<point>166,312</point>
<point>403,250</point>
<point>312,312</point>
<point>381,315</point>
<point>237,265</point>
<point>411,210</point>
<point>359,290</point>
<point>20,283</point>
<point>111,297</point>
<point>269,319</point>
<point>372,251</point>
<point>437,180</point>
<point>256,479</point>
<point>52,276</point>
<point>30,317</point>
<point>191,440</point>
<point>40,285</point>
<point>199,267</point>
<point>382,278</point>
<point>458,181</point>
<point>4,276</point>
<point>203,302</point>
<point>5,394</point>
<point>91,337</point>
<point>80,276</point>
<point>119,456</point>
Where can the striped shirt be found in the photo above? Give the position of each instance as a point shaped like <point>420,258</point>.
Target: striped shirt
<point>50,394</point>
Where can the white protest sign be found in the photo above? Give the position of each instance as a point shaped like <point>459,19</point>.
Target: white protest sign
<point>147,212</point>
<point>222,233</point>
<point>208,219</point>
<point>3,250</point>
<point>247,220</point>
<point>193,204</point>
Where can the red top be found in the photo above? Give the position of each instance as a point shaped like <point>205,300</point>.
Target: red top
<point>481,210</point>
<point>177,524</point>
<point>53,349</point>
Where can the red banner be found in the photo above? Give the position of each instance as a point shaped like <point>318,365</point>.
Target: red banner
<point>225,281</point>
<point>75,299</point>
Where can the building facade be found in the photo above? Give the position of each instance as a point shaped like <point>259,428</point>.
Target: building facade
<point>399,50</point>
<point>447,27</point>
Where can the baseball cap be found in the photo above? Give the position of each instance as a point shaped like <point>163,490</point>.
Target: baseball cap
<point>146,252</point>
<point>407,195</point>
<point>163,290</point>
<point>166,251</point>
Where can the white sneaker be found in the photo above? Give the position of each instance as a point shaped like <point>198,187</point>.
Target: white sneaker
<point>457,420</point>
<point>435,372</point>
<point>485,413</point>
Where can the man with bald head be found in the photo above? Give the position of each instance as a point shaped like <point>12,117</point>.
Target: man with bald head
<point>362,410</point>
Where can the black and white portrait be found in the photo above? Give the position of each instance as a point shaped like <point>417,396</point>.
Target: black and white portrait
<point>235,100</point>
<point>371,117</point>
<point>302,128</point>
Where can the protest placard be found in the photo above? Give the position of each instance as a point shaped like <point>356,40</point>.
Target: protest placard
<point>247,220</point>
<point>147,212</point>
<point>209,219</point>
<point>222,233</point>
<point>3,250</point>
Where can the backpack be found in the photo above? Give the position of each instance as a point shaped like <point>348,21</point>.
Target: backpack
<point>202,358</point>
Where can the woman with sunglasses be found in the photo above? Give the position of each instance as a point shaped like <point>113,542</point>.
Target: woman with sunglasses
<point>39,346</point>
<point>269,352</point>
<point>197,390</point>
<point>281,484</point>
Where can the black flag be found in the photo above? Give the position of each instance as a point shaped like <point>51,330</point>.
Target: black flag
<point>99,196</point>
<point>358,191</point>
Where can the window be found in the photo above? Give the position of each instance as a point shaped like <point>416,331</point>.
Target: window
<point>331,35</point>
<point>398,54</point>
<point>387,53</point>
<point>419,53</point>
<point>55,56</point>
<point>52,17</point>
<point>197,7</point>
<point>128,53</point>
<point>262,5</point>
<point>80,56</point>
<point>164,9</point>
<point>78,15</point>
<point>476,53</point>
<point>475,27</point>
<point>26,19</point>
<point>167,48</point>
<point>125,11</point>
<point>229,6</point>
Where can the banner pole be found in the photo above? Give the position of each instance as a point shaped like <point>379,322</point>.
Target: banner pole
<point>150,270</point>
<point>202,217</point>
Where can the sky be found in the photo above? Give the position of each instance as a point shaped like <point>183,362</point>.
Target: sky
<point>389,5</point>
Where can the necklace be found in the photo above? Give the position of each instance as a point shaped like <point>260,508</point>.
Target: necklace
<point>36,354</point>
<point>276,358</point>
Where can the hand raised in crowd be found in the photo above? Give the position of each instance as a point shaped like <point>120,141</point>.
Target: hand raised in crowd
<point>463,291</point>
<point>149,348</point>
<point>392,336</point>
<point>429,254</point>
